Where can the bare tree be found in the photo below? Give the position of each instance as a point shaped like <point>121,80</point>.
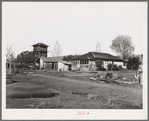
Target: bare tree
<point>98,49</point>
<point>122,45</point>
<point>52,53</point>
<point>9,53</point>
<point>57,51</point>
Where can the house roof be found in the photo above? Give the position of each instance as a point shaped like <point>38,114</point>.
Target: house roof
<point>52,59</point>
<point>97,55</point>
<point>65,62</point>
<point>40,44</point>
<point>106,56</point>
<point>88,56</point>
<point>49,59</point>
<point>56,57</point>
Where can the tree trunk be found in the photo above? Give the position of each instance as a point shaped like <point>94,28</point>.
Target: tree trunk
<point>132,67</point>
<point>112,66</point>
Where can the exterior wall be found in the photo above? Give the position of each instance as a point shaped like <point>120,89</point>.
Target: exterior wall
<point>51,66</point>
<point>84,67</point>
<point>79,65</point>
<point>55,66</point>
<point>40,54</point>
<point>47,66</point>
<point>121,63</point>
<point>41,63</point>
<point>40,51</point>
<point>62,67</point>
<point>92,66</point>
<point>39,48</point>
<point>75,64</point>
<point>92,63</point>
<point>43,54</point>
<point>117,63</point>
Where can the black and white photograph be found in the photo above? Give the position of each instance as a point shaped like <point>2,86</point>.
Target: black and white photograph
<point>74,60</point>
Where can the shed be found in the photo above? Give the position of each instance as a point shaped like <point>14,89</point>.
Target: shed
<point>52,63</point>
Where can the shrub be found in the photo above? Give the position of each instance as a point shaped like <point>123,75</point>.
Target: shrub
<point>103,69</point>
<point>108,76</point>
<point>99,64</point>
<point>115,67</point>
<point>22,66</point>
<point>133,63</point>
<point>120,67</point>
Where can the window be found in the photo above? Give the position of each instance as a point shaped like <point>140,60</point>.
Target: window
<point>84,61</point>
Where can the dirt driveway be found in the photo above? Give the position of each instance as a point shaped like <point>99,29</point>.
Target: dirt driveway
<point>68,93</point>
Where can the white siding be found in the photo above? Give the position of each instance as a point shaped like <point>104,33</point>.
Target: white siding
<point>105,64</point>
<point>120,63</point>
<point>92,63</point>
<point>41,63</point>
<point>62,67</point>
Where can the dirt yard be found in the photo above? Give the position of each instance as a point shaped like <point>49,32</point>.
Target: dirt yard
<point>71,90</point>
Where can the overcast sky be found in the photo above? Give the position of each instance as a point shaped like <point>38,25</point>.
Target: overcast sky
<point>77,26</point>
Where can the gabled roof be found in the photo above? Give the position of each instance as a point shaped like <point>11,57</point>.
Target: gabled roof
<point>97,55</point>
<point>106,56</point>
<point>56,57</point>
<point>49,59</point>
<point>88,56</point>
<point>53,59</point>
<point>40,44</point>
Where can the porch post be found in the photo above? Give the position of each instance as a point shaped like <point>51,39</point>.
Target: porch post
<point>112,65</point>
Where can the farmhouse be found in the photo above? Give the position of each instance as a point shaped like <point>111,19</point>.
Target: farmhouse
<point>86,61</point>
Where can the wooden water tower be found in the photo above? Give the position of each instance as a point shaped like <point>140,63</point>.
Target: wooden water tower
<point>40,50</point>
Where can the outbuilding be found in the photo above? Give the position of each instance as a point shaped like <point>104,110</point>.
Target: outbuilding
<point>52,63</point>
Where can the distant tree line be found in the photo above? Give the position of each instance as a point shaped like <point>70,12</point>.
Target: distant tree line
<point>68,57</point>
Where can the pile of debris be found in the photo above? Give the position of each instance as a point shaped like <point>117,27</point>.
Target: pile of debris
<point>109,78</point>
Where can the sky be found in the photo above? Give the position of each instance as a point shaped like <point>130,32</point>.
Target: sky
<point>77,26</point>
